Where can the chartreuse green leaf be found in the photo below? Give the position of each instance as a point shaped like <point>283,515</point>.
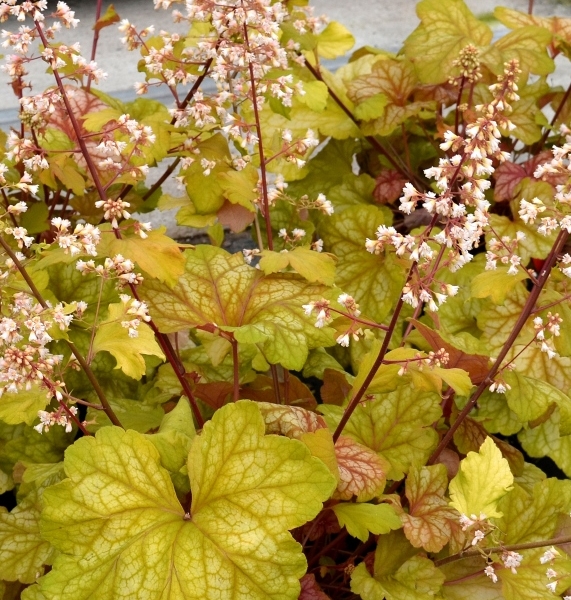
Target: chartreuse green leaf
<point>33,592</point>
<point>334,41</point>
<point>396,425</point>
<point>240,187</point>
<point>133,414</point>
<point>158,255</point>
<point>127,351</point>
<point>313,266</point>
<point>123,534</point>
<point>22,407</point>
<point>533,515</point>
<point>529,582</point>
<point>23,552</point>
<point>483,479</point>
<point>173,442</point>
<point>398,573</point>
<point>360,519</point>
<point>109,17</point>
<point>496,321</point>
<point>496,284</point>
<point>219,288</point>
<point>446,27</point>
<point>529,46</point>
<point>533,244</point>
<point>382,97</point>
<point>316,94</point>
<point>530,398</point>
<point>374,281</point>
<point>207,191</point>
<point>530,516</point>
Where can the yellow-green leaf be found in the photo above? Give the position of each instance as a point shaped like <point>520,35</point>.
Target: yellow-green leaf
<point>483,479</point>
<point>497,284</point>
<point>109,17</point>
<point>375,281</point>
<point>316,94</point>
<point>371,108</point>
<point>447,26</point>
<point>334,41</point>
<point>23,552</point>
<point>23,406</point>
<point>530,398</point>
<point>157,254</point>
<point>396,425</point>
<point>127,351</point>
<point>361,519</point>
<point>313,266</point>
<point>529,46</point>
<point>248,489</point>
<point>219,288</point>
<point>403,578</point>
<point>240,187</point>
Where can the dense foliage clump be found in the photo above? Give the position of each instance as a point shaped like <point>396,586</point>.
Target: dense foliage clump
<point>370,399</point>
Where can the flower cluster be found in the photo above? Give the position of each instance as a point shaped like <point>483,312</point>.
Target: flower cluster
<point>25,359</point>
<point>118,267</point>
<point>459,207</point>
<point>552,325</point>
<point>349,312</point>
<point>468,65</point>
<point>58,417</point>
<point>136,312</point>
<point>83,239</point>
<point>504,250</point>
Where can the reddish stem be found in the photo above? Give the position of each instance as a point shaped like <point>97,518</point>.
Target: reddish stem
<point>95,39</point>
<point>519,325</point>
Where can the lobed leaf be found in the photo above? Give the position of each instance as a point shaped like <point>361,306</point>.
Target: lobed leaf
<point>220,289</point>
<point>361,519</point>
<point>446,28</point>
<point>483,479</point>
<point>117,518</point>
<point>430,522</point>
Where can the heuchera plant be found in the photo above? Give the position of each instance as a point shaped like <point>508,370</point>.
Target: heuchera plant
<point>358,404</point>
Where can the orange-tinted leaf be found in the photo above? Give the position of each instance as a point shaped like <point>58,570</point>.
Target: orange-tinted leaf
<point>560,27</point>
<point>82,103</point>
<point>235,216</point>
<point>388,186</point>
<point>262,390</point>
<point>107,18</point>
<point>290,421</point>
<point>508,175</point>
<point>335,387</point>
<point>362,471</point>
<point>395,80</point>
<point>430,520</point>
<point>215,394</point>
<point>476,365</point>
<point>310,589</point>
